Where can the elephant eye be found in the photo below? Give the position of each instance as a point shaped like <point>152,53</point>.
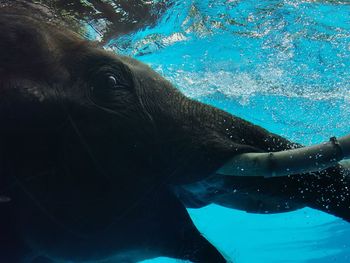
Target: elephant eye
<point>108,80</point>
<point>105,82</point>
<point>112,82</point>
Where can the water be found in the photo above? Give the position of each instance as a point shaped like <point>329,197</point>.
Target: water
<point>284,65</point>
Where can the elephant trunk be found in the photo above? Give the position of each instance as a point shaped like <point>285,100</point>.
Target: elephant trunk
<point>294,161</point>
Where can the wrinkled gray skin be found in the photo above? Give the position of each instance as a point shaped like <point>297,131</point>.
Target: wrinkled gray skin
<point>101,168</point>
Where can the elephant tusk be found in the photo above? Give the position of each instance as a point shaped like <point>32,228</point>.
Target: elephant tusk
<point>283,163</point>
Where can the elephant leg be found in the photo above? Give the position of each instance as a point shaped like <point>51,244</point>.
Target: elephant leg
<point>191,245</point>
<point>178,236</point>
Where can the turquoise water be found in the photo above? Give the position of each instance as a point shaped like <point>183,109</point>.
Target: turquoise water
<point>284,65</point>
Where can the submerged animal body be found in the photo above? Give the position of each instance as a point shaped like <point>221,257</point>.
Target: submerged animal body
<point>100,156</point>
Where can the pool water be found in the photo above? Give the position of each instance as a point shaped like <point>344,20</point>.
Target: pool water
<point>282,64</point>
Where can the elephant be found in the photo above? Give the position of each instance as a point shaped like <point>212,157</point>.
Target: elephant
<point>101,156</point>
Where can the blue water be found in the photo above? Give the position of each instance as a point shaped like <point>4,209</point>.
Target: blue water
<point>284,65</point>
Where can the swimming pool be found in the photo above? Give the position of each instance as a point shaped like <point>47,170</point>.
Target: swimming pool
<point>284,65</point>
